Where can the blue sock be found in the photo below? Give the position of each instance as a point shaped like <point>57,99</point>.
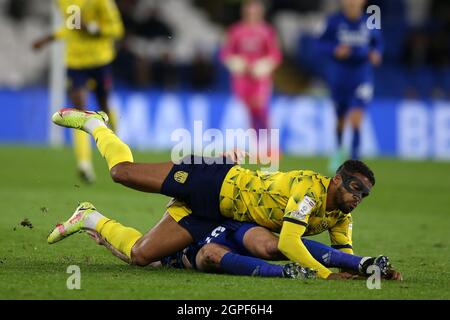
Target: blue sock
<point>355,144</point>
<point>332,258</point>
<point>243,265</point>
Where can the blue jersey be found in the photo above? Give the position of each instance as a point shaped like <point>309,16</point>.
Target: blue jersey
<point>352,78</point>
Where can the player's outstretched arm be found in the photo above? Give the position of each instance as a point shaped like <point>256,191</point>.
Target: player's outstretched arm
<point>292,247</point>
<point>100,241</point>
<point>42,42</point>
<point>344,276</point>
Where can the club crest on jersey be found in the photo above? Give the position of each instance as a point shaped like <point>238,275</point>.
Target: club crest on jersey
<point>304,208</point>
<point>180,176</point>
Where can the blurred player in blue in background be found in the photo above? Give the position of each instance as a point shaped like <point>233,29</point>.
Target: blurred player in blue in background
<point>355,47</point>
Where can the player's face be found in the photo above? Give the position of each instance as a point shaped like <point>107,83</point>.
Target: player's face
<point>253,11</point>
<point>353,5</point>
<point>351,190</point>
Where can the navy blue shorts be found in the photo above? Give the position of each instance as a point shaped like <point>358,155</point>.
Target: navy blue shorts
<point>230,234</point>
<point>102,76</point>
<point>198,228</point>
<point>197,181</point>
<point>349,98</point>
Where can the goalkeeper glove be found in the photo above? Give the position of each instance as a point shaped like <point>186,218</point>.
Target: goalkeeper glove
<point>262,67</point>
<point>236,64</point>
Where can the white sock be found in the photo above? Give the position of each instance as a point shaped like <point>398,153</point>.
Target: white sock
<point>91,124</point>
<point>92,219</point>
<point>361,263</point>
<point>85,165</point>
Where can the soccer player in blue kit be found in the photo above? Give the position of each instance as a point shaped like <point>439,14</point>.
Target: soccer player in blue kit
<point>354,47</point>
<point>239,248</point>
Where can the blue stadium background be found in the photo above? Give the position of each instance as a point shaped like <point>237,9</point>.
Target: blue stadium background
<point>409,117</point>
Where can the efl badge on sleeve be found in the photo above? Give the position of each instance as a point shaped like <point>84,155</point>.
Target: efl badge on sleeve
<point>304,208</point>
<point>180,176</point>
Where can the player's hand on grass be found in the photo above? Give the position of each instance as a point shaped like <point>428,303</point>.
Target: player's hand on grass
<point>342,51</point>
<point>342,276</point>
<point>394,275</point>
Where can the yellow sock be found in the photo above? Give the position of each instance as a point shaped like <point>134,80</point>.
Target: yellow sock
<point>111,147</point>
<point>82,146</point>
<point>120,237</point>
<point>113,120</point>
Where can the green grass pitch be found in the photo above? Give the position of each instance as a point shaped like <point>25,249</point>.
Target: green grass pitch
<point>407,217</point>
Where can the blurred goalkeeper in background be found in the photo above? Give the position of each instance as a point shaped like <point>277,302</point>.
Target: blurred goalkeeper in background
<point>89,54</point>
<point>251,54</point>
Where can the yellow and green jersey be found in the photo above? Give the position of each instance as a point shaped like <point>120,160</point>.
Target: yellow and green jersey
<point>295,200</point>
<point>82,49</point>
<point>270,198</point>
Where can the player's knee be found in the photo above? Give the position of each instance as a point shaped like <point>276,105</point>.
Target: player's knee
<point>208,257</point>
<point>119,173</point>
<point>138,257</point>
<point>270,249</point>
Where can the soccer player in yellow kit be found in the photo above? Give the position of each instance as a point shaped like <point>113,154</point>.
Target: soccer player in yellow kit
<point>295,203</point>
<point>89,53</point>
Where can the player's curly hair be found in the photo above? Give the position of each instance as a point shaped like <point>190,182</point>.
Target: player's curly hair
<point>356,166</point>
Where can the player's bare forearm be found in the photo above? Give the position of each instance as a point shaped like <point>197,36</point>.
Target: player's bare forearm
<point>344,276</point>
<point>393,275</point>
<point>42,42</point>
<point>236,155</point>
<point>101,241</point>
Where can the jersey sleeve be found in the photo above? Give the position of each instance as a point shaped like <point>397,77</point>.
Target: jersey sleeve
<point>295,222</point>
<point>62,32</point>
<point>299,207</point>
<point>341,234</point>
<point>112,25</point>
<point>327,41</point>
